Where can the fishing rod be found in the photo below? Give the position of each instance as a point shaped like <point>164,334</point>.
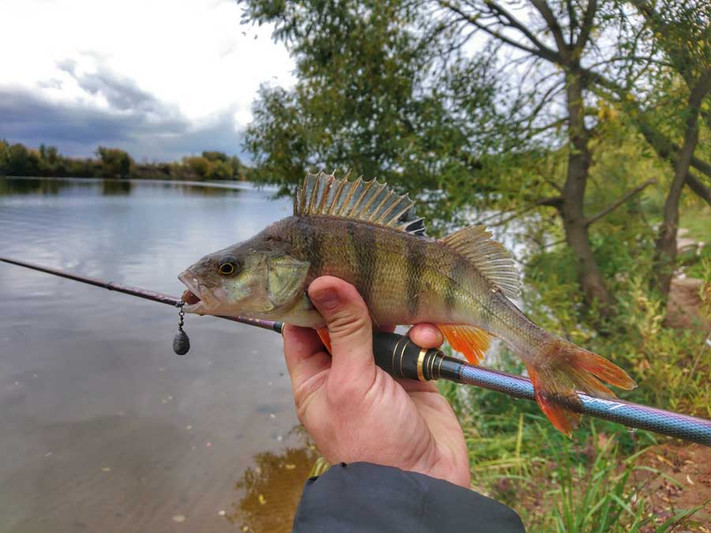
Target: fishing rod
<point>402,358</point>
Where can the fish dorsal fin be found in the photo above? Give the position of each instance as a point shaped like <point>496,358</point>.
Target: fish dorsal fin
<point>491,259</point>
<point>325,195</point>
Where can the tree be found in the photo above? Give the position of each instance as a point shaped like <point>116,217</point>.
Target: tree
<point>683,31</point>
<point>389,89</point>
<point>673,102</point>
<point>4,156</point>
<point>554,42</point>
<point>378,96</point>
<point>114,162</point>
<point>199,165</point>
<point>214,156</point>
<point>19,161</point>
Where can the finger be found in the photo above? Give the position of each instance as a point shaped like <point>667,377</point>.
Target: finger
<point>349,326</point>
<point>426,335</point>
<point>413,385</point>
<point>304,354</point>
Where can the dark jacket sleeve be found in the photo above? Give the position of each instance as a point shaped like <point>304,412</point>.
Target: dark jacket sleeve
<point>363,497</point>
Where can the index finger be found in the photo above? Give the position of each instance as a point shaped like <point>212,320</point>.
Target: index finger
<point>426,335</point>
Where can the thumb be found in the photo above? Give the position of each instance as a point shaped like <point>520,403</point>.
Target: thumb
<point>349,326</point>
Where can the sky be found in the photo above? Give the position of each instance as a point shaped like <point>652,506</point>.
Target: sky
<point>161,79</point>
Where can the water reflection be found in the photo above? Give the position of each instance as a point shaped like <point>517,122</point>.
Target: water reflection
<point>19,186</point>
<point>272,488</point>
<point>116,187</point>
<point>50,186</point>
<point>105,429</point>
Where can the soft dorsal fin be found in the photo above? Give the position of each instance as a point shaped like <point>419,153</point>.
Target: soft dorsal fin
<point>491,258</point>
<point>325,195</point>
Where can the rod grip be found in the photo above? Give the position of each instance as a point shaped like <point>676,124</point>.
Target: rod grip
<point>402,358</point>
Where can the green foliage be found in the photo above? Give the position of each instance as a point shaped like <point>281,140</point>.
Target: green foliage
<point>115,163</point>
<point>379,95</point>
<point>636,338</point>
<point>18,160</point>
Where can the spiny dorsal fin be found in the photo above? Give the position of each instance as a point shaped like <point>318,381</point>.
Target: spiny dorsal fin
<point>325,195</point>
<point>491,258</point>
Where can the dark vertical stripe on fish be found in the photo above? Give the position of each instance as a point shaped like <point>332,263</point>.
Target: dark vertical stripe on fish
<point>457,271</point>
<point>312,245</point>
<point>414,274</point>
<point>363,239</point>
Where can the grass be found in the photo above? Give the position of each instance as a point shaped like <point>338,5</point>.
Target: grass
<point>696,218</point>
<point>596,481</point>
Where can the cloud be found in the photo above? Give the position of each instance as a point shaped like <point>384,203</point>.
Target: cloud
<point>120,92</point>
<point>158,78</point>
<point>133,120</point>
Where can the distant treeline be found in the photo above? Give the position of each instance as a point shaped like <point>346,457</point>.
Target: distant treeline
<point>19,160</point>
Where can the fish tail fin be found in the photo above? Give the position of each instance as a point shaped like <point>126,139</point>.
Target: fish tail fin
<point>560,369</point>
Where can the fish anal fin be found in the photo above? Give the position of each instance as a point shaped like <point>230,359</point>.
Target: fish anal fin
<point>560,370</point>
<point>469,340</point>
<point>323,194</point>
<point>491,259</point>
<point>325,338</point>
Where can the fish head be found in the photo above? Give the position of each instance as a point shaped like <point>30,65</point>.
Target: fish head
<point>258,278</point>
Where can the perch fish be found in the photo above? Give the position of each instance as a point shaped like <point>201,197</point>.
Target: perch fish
<point>369,236</point>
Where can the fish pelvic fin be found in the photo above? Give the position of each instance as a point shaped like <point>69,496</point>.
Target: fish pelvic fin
<point>325,338</point>
<point>561,369</point>
<point>469,340</point>
<point>323,194</point>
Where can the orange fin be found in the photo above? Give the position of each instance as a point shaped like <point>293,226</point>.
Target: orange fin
<point>325,338</point>
<point>563,368</point>
<point>469,340</point>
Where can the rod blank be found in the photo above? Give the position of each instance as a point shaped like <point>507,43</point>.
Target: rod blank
<point>402,358</point>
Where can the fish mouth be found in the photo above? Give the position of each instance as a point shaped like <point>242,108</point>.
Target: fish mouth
<point>196,298</point>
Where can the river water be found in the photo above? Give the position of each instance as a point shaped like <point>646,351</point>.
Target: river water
<point>103,427</point>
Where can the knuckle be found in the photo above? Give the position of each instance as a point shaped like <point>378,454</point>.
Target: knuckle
<point>347,324</point>
<point>305,393</point>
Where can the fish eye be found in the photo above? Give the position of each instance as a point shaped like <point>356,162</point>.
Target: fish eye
<point>228,267</point>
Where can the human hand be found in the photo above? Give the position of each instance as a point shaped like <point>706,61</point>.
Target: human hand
<point>355,411</point>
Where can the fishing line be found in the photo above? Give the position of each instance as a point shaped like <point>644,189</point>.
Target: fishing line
<point>400,357</point>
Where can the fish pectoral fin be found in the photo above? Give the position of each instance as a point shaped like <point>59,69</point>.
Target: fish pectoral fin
<point>469,340</point>
<point>325,338</point>
<point>285,280</point>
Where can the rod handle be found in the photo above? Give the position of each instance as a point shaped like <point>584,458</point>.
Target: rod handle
<point>402,358</point>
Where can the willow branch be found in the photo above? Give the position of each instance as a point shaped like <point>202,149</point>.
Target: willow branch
<point>610,208</point>
<point>515,23</point>
<point>664,147</point>
<point>699,188</point>
<point>547,13</point>
<point>586,28</point>
<point>544,53</point>
<point>553,201</point>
